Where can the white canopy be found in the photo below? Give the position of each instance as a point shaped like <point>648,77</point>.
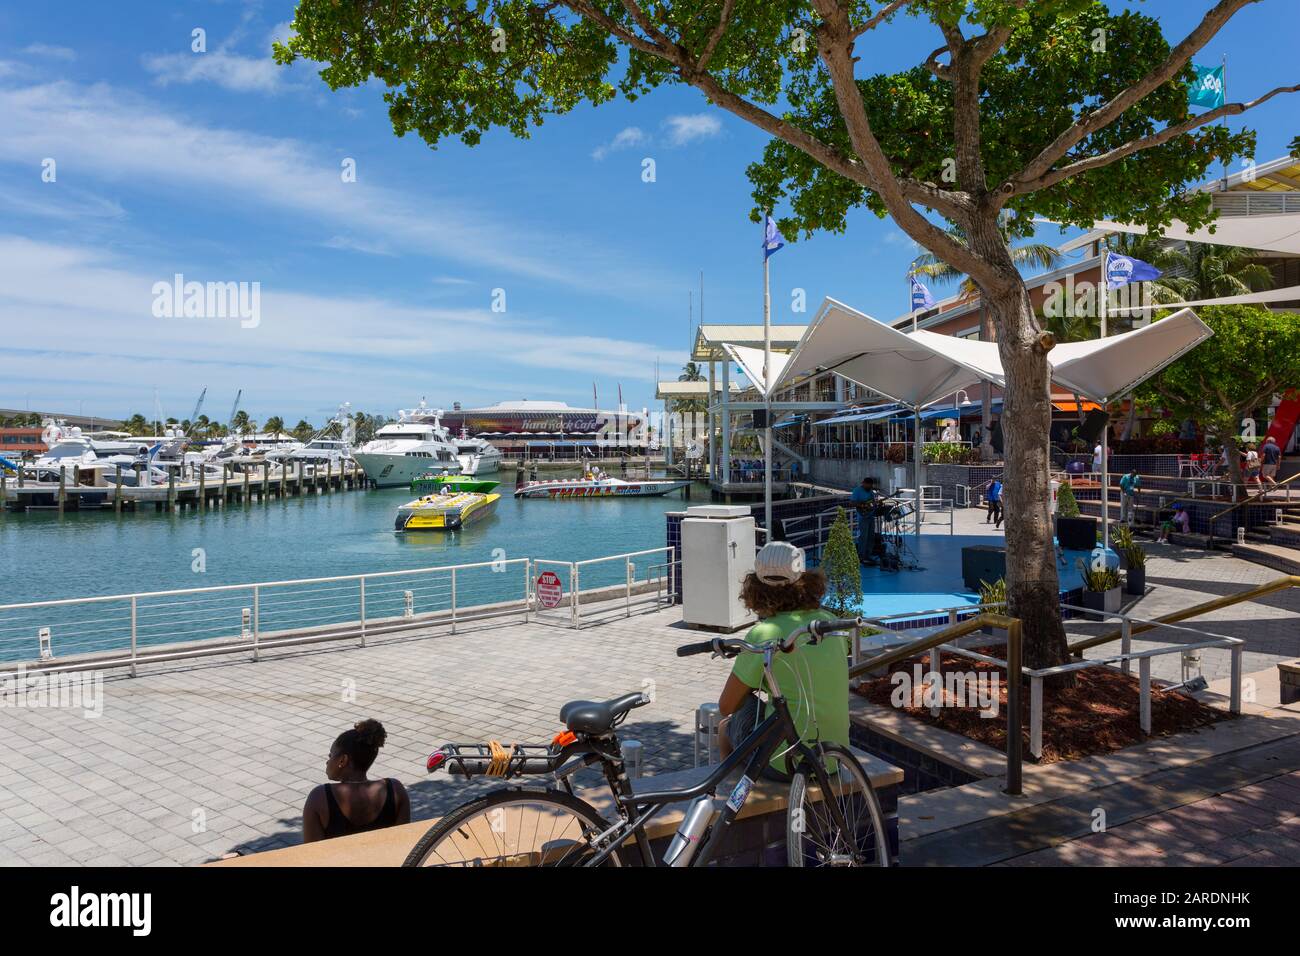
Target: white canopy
<point>916,371</point>
<point>1279,233</point>
<point>1104,369</point>
<point>751,363</point>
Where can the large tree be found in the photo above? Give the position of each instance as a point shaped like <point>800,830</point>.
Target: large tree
<point>1230,377</point>
<point>1052,108</point>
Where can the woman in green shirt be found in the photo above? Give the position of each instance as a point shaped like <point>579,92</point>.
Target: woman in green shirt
<point>813,677</point>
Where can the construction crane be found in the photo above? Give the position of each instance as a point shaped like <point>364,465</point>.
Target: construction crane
<point>230,422</point>
<point>194,415</point>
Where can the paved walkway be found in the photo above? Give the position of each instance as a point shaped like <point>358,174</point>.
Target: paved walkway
<point>191,761</point>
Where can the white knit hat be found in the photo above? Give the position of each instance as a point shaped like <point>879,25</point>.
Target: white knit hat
<point>779,563</point>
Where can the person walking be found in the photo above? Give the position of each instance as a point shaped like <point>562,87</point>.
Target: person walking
<point>1271,453</point>
<point>1129,485</point>
<point>994,499</point>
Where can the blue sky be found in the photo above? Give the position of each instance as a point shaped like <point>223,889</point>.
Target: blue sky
<point>224,167</point>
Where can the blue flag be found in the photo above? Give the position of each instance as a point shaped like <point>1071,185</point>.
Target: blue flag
<point>921,298</point>
<point>1121,270</point>
<point>772,238</point>
<point>1208,87</point>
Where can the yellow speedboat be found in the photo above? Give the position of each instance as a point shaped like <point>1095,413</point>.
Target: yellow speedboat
<point>445,512</point>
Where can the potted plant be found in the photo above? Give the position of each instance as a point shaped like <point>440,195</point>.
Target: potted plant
<point>1074,532</point>
<point>841,567</point>
<point>994,595</point>
<point>1135,577</point>
<point>1101,588</point>
<point>1121,539</point>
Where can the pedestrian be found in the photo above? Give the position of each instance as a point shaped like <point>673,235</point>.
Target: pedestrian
<point>1096,459</point>
<point>1251,465</point>
<point>1129,486</point>
<point>994,499</point>
<point>1272,456</point>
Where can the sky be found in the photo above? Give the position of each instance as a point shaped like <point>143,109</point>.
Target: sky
<point>518,269</point>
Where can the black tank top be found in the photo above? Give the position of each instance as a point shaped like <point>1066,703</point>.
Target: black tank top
<point>339,825</point>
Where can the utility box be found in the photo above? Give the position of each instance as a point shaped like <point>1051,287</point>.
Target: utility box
<point>717,552</point>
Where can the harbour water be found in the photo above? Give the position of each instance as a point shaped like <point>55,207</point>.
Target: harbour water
<point>82,554</point>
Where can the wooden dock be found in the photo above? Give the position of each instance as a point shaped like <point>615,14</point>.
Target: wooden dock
<point>253,481</point>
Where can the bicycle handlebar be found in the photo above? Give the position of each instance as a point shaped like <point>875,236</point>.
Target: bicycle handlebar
<point>733,646</point>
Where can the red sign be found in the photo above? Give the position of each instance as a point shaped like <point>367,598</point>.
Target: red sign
<point>549,589</point>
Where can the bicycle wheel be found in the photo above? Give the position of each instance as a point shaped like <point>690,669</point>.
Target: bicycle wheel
<point>514,828</point>
<point>814,838</point>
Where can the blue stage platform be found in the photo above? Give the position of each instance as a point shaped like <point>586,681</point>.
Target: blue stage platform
<point>938,583</point>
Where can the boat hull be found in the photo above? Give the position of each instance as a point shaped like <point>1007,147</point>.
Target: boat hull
<point>561,489</point>
<point>425,484</point>
<point>392,471</point>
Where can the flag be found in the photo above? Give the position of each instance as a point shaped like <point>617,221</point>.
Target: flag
<point>772,238</point>
<point>921,298</point>
<point>1208,87</point>
<point>1121,270</point>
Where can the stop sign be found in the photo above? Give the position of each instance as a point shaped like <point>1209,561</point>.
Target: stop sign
<point>549,589</point>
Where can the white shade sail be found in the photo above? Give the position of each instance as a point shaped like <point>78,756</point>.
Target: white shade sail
<point>921,368</point>
<point>750,361</point>
<point>914,371</point>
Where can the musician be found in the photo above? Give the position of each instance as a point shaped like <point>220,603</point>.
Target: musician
<point>867,502</point>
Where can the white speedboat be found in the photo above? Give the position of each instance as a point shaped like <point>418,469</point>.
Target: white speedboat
<point>596,484</point>
<point>477,456</point>
<point>414,445</point>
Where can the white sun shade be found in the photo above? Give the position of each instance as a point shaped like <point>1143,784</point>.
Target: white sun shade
<point>1104,369</point>
<point>916,372</point>
<point>750,361</point>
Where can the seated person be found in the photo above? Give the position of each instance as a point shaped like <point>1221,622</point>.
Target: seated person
<point>1179,521</point>
<point>354,803</point>
<point>813,678</point>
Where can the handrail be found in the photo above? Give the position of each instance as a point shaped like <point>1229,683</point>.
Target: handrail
<point>1278,584</point>
<point>1013,628</point>
<point>1264,492</point>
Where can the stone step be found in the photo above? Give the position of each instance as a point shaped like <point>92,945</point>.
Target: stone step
<point>1277,557</point>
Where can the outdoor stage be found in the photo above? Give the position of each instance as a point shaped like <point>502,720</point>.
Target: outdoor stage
<point>938,584</point>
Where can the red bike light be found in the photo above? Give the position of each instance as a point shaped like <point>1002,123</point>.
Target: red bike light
<point>435,760</point>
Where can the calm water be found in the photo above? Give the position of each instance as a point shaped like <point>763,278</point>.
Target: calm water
<point>43,556</point>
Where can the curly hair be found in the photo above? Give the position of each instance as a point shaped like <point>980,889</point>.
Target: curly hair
<point>766,599</point>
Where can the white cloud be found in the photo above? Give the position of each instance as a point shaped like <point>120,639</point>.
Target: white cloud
<point>626,139</point>
<point>231,71</point>
<point>108,132</point>
<point>64,53</point>
<point>58,201</point>
<point>688,128</point>
<point>348,244</point>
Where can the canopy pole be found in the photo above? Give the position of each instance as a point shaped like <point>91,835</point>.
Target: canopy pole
<point>918,454</point>
<point>767,393</point>
<point>1105,428</point>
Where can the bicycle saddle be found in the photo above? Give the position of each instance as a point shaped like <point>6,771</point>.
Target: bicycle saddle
<point>591,717</point>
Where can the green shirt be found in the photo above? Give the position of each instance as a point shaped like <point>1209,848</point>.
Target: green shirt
<point>820,672</point>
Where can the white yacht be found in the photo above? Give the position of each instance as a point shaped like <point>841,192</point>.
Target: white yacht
<point>477,457</point>
<point>332,451</point>
<point>414,445</point>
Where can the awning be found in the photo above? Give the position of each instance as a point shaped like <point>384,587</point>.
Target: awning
<point>750,361</point>
<point>857,418</point>
<point>1073,407</point>
<point>912,371</point>
<point>948,411</point>
<point>1102,369</point>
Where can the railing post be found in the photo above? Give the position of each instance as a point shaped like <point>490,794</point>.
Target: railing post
<point>1234,704</point>
<point>363,610</point>
<point>627,601</point>
<point>1036,717</point>
<point>133,619</point>
<point>453,600</point>
<point>1013,709</point>
<point>936,681</point>
<point>1126,644</point>
<point>528,584</point>
<point>1144,695</point>
<point>575,614</point>
<point>257,626</point>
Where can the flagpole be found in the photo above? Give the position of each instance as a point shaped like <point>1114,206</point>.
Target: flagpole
<point>1105,428</point>
<point>767,396</point>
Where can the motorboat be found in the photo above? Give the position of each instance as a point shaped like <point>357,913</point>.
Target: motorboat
<point>477,456</point>
<point>430,484</point>
<point>444,511</point>
<point>414,445</point>
<point>323,451</point>
<point>597,484</point>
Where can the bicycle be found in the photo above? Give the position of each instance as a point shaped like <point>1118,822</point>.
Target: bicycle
<point>833,818</point>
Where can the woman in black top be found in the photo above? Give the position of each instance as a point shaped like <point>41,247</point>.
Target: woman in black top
<point>354,803</point>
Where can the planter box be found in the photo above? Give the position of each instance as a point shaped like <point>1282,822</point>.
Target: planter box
<point>1107,601</point>
<point>1076,534</point>
<point>1135,580</point>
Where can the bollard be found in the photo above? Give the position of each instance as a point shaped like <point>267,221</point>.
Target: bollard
<point>1191,663</point>
<point>707,718</point>
<point>43,636</point>
<point>1241,536</point>
<point>632,751</point>
<point>408,610</point>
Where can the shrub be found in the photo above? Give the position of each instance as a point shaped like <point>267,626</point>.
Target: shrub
<point>840,565</point>
<point>995,593</point>
<point>1099,579</point>
<point>1067,506</point>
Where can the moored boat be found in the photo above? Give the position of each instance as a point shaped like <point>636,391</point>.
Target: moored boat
<point>444,512</point>
<point>431,484</point>
<point>598,485</point>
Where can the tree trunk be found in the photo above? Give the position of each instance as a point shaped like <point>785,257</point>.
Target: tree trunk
<point>1033,586</point>
<point>986,398</point>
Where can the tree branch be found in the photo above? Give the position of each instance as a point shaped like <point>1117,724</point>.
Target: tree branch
<point>1020,187</point>
<point>1088,124</point>
<point>716,36</point>
<point>875,21</point>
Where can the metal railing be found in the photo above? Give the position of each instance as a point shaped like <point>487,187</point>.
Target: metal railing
<point>894,452</point>
<point>1256,203</point>
<point>127,630</point>
<point>1253,500</point>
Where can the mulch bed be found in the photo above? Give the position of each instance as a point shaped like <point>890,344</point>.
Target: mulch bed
<point>1099,715</point>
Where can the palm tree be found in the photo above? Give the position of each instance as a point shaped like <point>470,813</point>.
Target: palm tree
<point>1030,255</point>
<point>1206,271</point>
<point>137,424</point>
<point>303,430</point>
<point>274,424</point>
<point>241,422</point>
